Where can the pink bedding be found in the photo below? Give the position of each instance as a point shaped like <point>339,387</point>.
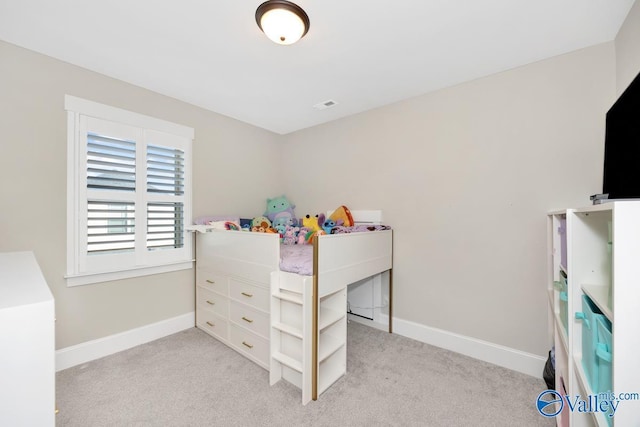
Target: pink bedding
<point>297,259</point>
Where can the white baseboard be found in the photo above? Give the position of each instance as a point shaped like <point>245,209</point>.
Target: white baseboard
<point>506,357</point>
<point>369,322</point>
<point>101,347</point>
<point>516,360</point>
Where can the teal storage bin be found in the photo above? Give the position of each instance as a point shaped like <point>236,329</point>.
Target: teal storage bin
<point>561,286</point>
<point>589,316</point>
<point>604,354</point>
<point>564,310</point>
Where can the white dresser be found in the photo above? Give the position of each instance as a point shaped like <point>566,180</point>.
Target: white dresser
<point>27,340</point>
<point>232,290</point>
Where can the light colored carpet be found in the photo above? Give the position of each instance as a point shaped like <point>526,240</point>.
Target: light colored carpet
<point>191,379</point>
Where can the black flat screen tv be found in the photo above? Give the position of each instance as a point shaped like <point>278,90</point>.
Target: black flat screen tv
<point>621,178</point>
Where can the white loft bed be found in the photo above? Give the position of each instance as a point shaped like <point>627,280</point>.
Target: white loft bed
<point>308,313</point>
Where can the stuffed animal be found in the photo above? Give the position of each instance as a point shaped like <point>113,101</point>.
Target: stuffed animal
<point>342,213</point>
<point>280,228</point>
<point>280,211</point>
<point>311,223</point>
<point>311,235</point>
<point>261,224</point>
<point>283,219</point>
<point>230,225</point>
<point>302,235</point>
<point>290,235</point>
<point>328,224</point>
<point>260,221</point>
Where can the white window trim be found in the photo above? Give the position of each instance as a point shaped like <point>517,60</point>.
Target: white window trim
<point>87,279</point>
<point>76,107</point>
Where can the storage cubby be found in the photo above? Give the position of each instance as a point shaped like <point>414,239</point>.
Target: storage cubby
<point>332,349</point>
<point>292,335</point>
<point>603,288</point>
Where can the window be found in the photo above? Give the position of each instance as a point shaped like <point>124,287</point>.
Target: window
<point>129,194</point>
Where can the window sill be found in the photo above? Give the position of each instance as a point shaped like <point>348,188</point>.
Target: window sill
<point>91,278</point>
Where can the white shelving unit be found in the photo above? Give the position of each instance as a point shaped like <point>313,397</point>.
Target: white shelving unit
<point>602,244</point>
<point>295,348</point>
<point>556,228</point>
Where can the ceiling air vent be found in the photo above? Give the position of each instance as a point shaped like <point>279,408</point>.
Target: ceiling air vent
<point>325,104</point>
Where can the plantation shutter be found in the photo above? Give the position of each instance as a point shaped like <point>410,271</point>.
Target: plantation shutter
<point>110,226</point>
<point>165,225</point>
<point>165,180</point>
<point>165,170</point>
<point>111,163</point>
<point>111,166</point>
<point>129,193</point>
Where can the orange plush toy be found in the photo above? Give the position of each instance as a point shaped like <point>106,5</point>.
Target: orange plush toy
<point>311,235</point>
<point>342,213</point>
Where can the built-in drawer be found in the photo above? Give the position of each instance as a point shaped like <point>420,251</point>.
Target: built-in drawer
<point>250,344</point>
<point>212,280</point>
<point>250,318</point>
<point>247,293</point>
<point>212,301</point>
<point>213,324</point>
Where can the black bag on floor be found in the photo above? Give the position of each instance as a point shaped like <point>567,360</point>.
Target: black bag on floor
<point>549,373</point>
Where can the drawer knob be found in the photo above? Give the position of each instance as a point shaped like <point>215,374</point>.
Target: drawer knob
<point>246,294</point>
<point>210,324</point>
<point>247,320</point>
<point>210,281</point>
<point>211,302</point>
<point>247,345</point>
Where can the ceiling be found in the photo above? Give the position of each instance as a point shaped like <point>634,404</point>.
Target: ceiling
<point>362,54</point>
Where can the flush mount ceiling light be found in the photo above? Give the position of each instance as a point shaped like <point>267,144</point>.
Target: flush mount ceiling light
<point>282,21</point>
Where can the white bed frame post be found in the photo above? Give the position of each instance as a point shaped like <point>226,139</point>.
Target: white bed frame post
<point>391,289</point>
<point>314,323</point>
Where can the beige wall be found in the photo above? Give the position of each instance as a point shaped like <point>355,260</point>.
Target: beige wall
<point>233,172</point>
<point>628,49</point>
<point>466,175</point>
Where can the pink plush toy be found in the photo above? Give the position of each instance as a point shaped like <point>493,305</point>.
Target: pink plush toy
<point>302,235</point>
<point>290,235</point>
